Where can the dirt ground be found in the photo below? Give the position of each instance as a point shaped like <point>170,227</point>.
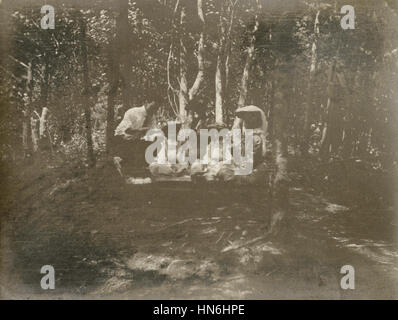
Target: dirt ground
<point>136,243</point>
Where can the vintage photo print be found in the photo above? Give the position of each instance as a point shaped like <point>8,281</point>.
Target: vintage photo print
<point>198,149</point>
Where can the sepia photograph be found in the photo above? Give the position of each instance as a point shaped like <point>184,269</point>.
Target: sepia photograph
<point>198,150</point>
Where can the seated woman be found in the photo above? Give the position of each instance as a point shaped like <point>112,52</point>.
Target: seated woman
<point>252,117</point>
<point>249,117</point>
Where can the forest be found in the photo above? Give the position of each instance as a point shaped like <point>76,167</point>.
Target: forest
<point>329,94</point>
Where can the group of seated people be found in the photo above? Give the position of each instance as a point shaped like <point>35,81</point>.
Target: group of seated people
<point>130,145</point>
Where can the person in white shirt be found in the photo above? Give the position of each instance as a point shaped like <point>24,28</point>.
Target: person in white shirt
<point>128,145</point>
<point>136,121</point>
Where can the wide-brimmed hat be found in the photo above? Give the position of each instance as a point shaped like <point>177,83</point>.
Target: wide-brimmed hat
<point>247,109</point>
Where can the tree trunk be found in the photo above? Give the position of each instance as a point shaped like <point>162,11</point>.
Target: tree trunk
<point>45,84</point>
<point>200,76</point>
<point>244,85</point>
<point>124,34</point>
<point>219,80</point>
<point>86,95</point>
<point>280,180</point>
<point>44,135</point>
<point>43,123</point>
<point>27,114</point>
<point>351,118</point>
<point>26,133</point>
<point>228,46</point>
<point>308,106</point>
<point>34,125</point>
<point>329,116</point>
<point>219,91</point>
<point>246,70</point>
<point>228,50</point>
<point>183,93</point>
<point>113,79</point>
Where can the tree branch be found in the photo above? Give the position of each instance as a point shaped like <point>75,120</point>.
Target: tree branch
<point>201,46</point>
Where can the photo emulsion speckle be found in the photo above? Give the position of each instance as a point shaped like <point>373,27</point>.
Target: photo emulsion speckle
<point>201,149</point>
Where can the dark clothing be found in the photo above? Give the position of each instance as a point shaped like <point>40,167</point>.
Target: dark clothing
<point>132,152</point>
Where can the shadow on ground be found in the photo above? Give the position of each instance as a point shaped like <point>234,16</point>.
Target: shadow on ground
<point>107,241</point>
